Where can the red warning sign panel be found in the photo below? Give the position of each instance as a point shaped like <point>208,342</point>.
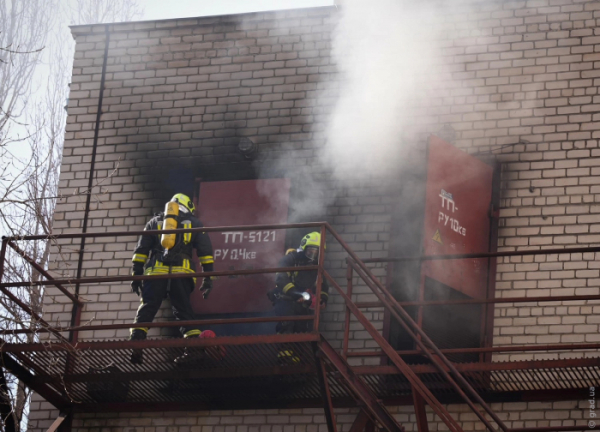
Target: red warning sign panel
<point>458,198</point>
<point>236,203</point>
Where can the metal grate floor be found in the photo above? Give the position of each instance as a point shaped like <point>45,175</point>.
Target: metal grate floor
<point>96,374</point>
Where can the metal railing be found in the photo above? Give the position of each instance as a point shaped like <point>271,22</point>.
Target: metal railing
<point>41,326</point>
<point>347,353</point>
<point>426,347</point>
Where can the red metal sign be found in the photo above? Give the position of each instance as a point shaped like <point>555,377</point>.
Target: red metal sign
<point>245,202</point>
<point>458,198</point>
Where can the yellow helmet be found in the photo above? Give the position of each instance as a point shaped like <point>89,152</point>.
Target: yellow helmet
<point>185,201</point>
<point>310,245</point>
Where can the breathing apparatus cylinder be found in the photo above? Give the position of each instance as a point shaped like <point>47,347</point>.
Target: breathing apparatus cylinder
<point>171,212</point>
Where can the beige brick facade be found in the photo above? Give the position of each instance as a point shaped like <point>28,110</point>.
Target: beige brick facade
<point>522,84</point>
<point>515,415</point>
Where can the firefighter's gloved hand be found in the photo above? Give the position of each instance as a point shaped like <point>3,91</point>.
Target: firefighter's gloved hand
<point>272,296</point>
<point>324,298</point>
<point>206,288</point>
<point>136,286</point>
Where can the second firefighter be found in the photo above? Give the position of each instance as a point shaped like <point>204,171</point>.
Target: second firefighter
<point>295,292</point>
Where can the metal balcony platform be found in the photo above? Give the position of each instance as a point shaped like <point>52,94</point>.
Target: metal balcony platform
<point>244,372</point>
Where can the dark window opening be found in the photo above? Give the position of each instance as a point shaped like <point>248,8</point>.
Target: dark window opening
<point>451,326</point>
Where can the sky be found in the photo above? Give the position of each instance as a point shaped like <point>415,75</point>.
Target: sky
<point>159,9</point>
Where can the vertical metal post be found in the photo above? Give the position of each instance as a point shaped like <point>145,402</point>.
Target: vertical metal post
<point>319,279</point>
<point>386,314</point>
<point>325,392</point>
<point>420,307</point>
<point>76,311</point>
<point>419,404</point>
<point>349,276</point>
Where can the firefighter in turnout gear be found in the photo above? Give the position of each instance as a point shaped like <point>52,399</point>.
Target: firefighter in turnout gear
<point>295,292</point>
<point>170,254</point>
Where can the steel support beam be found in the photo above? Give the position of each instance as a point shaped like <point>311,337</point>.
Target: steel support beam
<point>359,388</point>
<point>420,338</point>
<point>165,324</point>
<point>180,374</point>
<point>495,300</point>
<point>173,231</point>
<point>514,348</point>
<point>325,392</point>
<point>162,343</point>
<point>486,367</point>
<point>44,273</point>
<point>43,390</point>
<point>419,404</point>
<point>399,362</point>
<point>559,251</point>
<point>157,276</point>
<point>55,425</point>
<point>350,402</point>
<point>33,315</point>
<point>360,422</point>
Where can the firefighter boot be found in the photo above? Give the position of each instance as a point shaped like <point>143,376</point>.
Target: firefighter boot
<point>213,352</point>
<point>190,355</point>
<point>137,355</point>
<point>193,355</point>
<point>286,356</point>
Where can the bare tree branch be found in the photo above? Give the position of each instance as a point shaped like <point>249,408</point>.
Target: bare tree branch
<point>35,68</point>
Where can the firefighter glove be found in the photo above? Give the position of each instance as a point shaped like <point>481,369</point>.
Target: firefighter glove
<point>324,298</point>
<point>272,295</point>
<point>206,287</point>
<point>136,285</point>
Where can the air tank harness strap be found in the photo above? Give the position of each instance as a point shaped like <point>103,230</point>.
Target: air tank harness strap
<point>169,280</point>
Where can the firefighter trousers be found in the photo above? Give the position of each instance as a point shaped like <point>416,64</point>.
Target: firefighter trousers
<point>292,308</point>
<point>153,293</point>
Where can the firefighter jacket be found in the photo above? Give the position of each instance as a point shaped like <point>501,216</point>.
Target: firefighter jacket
<point>299,280</point>
<point>149,255</point>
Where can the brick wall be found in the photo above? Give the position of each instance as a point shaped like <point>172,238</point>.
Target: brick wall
<point>528,76</point>
<point>521,84</point>
<point>312,420</point>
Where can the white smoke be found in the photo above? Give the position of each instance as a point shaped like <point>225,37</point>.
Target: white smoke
<point>386,60</point>
<point>383,50</point>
